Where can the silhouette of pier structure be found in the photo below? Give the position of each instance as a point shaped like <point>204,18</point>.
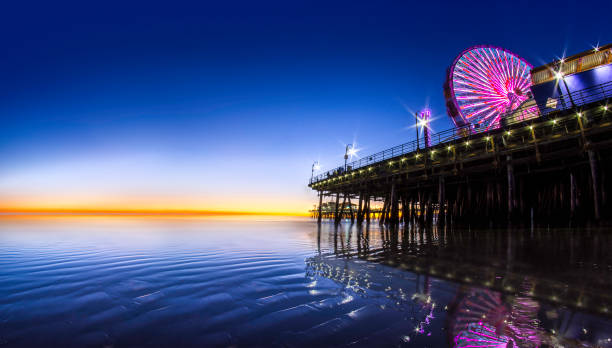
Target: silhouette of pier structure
<point>553,167</point>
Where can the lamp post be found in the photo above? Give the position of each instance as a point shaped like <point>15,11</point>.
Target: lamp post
<point>422,122</point>
<point>315,166</point>
<point>425,116</point>
<point>416,126</point>
<point>560,76</point>
<point>347,151</point>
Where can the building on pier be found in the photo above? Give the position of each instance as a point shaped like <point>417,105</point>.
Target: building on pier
<point>581,78</point>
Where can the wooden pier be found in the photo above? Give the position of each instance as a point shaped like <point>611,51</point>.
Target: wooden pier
<point>554,169</point>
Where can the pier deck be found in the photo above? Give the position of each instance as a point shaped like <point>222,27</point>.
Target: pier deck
<point>550,168</point>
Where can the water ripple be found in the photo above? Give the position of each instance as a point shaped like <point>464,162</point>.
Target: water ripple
<point>193,283</point>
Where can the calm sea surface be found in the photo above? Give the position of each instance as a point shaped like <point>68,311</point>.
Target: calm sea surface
<point>128,281</point>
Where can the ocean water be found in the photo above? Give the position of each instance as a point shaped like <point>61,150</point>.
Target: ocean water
<point>169,282</point>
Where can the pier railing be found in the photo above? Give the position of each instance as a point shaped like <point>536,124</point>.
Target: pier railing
<point>528,112</point>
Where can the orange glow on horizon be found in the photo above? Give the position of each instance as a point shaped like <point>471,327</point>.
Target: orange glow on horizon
<point>83,204</point>
<point>141,212</point>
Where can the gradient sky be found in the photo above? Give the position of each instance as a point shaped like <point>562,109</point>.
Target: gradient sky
<point>225,107</point>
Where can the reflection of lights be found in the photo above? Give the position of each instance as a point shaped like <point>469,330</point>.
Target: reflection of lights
<point>482,335</point>
<point>520,326</point>
<point>478,317</point>
<point>347,299</point>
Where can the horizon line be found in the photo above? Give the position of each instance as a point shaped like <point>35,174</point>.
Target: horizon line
<point>141,212</point>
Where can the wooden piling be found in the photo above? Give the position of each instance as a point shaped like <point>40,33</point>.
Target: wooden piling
<point>336,208</point>
<point>341,214</point>
<point>422,208</point>
<point>351,209</point>
<point>595,183</point>
<point>441,201</point>
<point>383,213</point>
<point>360,209</point>
<point>320,206</point>
<point>394,218</point>
<point>511,189</point>
<point>572,196</point>
<point>367,209</point>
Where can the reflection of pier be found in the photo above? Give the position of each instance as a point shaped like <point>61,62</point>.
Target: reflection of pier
<point>551,168</point>
<point>501,260</point>
<point>498,288</point>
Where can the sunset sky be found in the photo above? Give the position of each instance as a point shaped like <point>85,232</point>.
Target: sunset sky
<point>210,107</point>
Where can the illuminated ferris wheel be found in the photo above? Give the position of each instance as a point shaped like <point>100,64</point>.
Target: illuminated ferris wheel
<point>485,82</point>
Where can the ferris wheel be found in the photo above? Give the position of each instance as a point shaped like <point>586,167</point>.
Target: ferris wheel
<point>484,83</point>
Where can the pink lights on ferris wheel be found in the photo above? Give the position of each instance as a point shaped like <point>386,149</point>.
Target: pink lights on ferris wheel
<point>484,83</point>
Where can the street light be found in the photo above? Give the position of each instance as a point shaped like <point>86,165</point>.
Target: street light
<point>423,123</point>
<point>349,151</point>
<point>559,76</point>
<point>315,166</point>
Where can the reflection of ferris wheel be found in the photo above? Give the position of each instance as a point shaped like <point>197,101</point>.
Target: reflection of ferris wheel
<point>478,320</point>
<point>483,83</point>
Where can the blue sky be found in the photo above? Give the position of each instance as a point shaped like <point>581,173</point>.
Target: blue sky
<point>209,106</point>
